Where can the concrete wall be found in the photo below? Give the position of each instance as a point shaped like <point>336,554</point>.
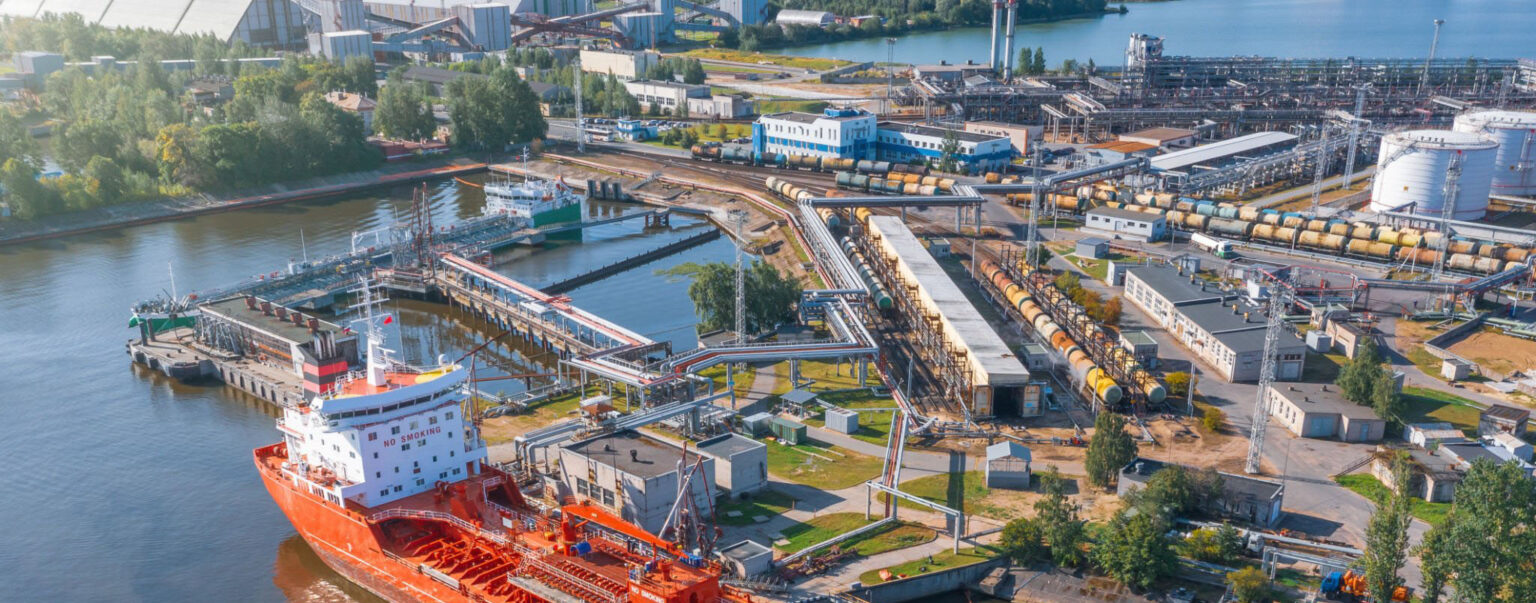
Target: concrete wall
<point>926,585</point>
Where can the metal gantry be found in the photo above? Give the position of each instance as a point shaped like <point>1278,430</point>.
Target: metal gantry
<point>1272,332</point>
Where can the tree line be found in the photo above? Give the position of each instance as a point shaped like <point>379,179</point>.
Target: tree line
<point>135,134</point>
<point>1097,308</point>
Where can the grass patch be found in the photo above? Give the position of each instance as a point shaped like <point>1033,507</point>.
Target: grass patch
<point>735,68</point>
<point>1098,269</point>
<point>966,492</point>
<point>821,465</point>
<point>1368,486</point>
<point>758,58</point>
<point>744,378</point>
<point>874,425</point>
<point>941,561</point>
<point>1426,362</point>
<point>1422,405</point>
<point>504,428</point>
<point>767,503</point>
<point>888,538</point>
<point>1322,368</point>
<point>780,105</point>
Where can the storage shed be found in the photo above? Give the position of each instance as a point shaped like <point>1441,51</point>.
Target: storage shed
<point>1503,419</point>
<point>1092,247</point>
<point>1007,466</point>
<point>842,420</point>
<point>1141,346</point>
<point>741,464</point>
<point>758,425</point>
<point>1035,357</point>
<point>747,558</point>
<point>787,431</point>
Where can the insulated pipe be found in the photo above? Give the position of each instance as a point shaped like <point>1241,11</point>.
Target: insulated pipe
<point>1008,42</point>
<point>997,14</point>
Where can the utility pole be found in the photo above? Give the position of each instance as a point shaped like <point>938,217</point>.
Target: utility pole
<point>738,222</point>
<point>1433,42</point>
<point>581,122</point>
<point>1354,133</point>
<point>1322,169</point>
<point>1031,254</point>
<point>1448,208</point>
<point>1266,377</point>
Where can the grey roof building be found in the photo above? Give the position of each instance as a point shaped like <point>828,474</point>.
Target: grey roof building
<point>1245,499</point>
<point>1225,332</point>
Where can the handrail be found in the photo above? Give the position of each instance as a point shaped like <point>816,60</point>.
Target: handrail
<point>399,513</point>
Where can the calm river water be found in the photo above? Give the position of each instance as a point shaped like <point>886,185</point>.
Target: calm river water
<point>124,486</point>
<point>1286,28</point>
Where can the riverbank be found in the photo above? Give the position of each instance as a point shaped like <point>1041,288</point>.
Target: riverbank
<point>147,212</point>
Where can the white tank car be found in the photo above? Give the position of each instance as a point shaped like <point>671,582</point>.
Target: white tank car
<point>1515,131</point>
<point>1411,173</point>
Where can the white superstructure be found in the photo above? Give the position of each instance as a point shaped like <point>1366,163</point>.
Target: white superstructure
<point>836,132</point>
<point>1515,131</point>
<point>384,434</point>
<point>1411,173</point>
<point>527,200</point>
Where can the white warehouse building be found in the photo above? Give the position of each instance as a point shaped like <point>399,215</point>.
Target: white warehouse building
<point>810,18</point>
<point>836,132</point>
<point>623,64</point>
<point>914,142</point>
<point>664,95</point>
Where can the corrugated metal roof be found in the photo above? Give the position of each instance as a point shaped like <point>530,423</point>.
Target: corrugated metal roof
<point>989,350</point>
<point>217,17</point>
<point>1179,160</point>
<point>152,14</point>
<point>20,8</point>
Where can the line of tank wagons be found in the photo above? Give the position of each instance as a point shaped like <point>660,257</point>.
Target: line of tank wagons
<point>1296,229</point>
<point>854,174</point>
<point>1082,365</point>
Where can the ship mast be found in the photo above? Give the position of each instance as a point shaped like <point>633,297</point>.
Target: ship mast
<point>378,355</point>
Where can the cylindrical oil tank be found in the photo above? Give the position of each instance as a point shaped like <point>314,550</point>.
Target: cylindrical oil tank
<point>1030,310</point>
<point>910,188</point>
<point>1175,216</point>
<point>1142,198</point>
<point>1409,239</point>
<point>844,179</point>
<point>1264,232</point>
<point>1386,235</point>
<point>1488,250</point>
<point>1067,202</point>
<point>865,166</point>
<point>830,217</point>
<point>1226,210</point>
<point>1205,208</point>
<point>1463,247</point>
<point>1286,235</point>
<point>1515,133</point>
<point>1487,265</point>
<point>1420,256</point>
<point>1514,265</point>
<point>1317,225</point>
<point>1290,221</point>
<point>1430,239</point>
<point>1270,217</point>
<point>860,182</point>
<point>894,187</point>
<point>1382,250</point>
<point>1359,247</point>
<point>1195,221</point>
<point>1413,166</point>
<point>882,167</point>
<point>930,181</point>
<point>1362,230</point>
<point>1184,206</point>
<point>1231,228</point>
<point>862,214</point>
<point>927,190</point>
<point>1338,227</point>
<point>1516,254</point>
<point>946,184</point>
<point>1018,297</point>
<point>993,177</point>
<point>1248,214</point>
<point>1155,391</point>
<point>1462,262</point>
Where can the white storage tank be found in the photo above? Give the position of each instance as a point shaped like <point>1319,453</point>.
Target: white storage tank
<point>1515,131</point>
<point>1411,174</point>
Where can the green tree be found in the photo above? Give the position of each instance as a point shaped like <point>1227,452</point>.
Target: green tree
<point>1068,282</point>
<point>1249,585</point>
<point>1490,536</point>
<point>1057,515</point>
<point>1134,550</point>
<point>949,151</point>
<point>15,142</point>
<point>1385,398</point>
<point>693,72</point>
<point>1212,418</point>
<point>770,296</point>
<point>1037,66</point>
<point>1110,449</point>
<point>28,197</point>
<point>110,185</point>
<point>1177,384</point>
<point>1435,554</point>
<point>1177,490</point>
<point>1357,380</point>
<point>1223,545</point>
<point>83,140</point>
<point>403,111</point>
<point>1386,536</point>
<point>1023,540</point>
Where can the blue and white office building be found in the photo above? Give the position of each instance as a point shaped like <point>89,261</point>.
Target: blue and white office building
<point>836,132</point>
<point>913,142</point>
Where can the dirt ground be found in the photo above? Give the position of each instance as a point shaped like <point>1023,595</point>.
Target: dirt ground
<point>1497,352</point>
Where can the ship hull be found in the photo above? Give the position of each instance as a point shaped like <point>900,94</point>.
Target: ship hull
<point>347,544</point>
<point>569,213</point>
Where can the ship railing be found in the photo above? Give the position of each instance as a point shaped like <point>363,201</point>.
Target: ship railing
<point>532,568</point>
<point>398,513</point>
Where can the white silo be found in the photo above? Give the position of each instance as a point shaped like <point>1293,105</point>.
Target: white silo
<point>1411,174</point>
<point>1515,131</point>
